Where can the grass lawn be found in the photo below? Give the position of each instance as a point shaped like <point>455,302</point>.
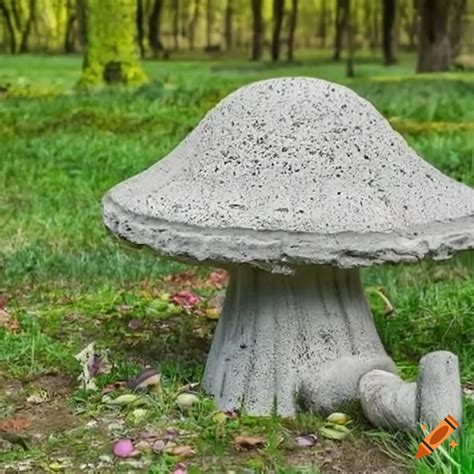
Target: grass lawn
<point>64,282</point>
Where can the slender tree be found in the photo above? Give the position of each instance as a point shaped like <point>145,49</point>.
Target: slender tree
<point>257,30</point>
<point>278,10</point>
<point>349,24</point>
<point>176,24</point>
<point>111,55</point>
<point>140,29</point>
<point>209,24</point>
<point>388,27</point>
<point>154,24</point>
<point>340,27</point>
<point>9,24</point>
<point>81,23</point>
<point>291,33</point>
<point>71,18</point>
<point>25,36</point>
<point>440,23</point>
<point>323,18</point>
<point>193,24</point>
<point>228,27</point>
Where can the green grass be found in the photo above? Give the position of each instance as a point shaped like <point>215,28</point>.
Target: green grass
<point>64,277</point>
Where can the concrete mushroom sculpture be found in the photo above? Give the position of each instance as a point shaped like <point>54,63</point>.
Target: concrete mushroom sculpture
<point>292,184</point>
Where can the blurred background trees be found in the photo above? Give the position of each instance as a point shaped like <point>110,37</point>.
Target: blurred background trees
<point>439,30</point>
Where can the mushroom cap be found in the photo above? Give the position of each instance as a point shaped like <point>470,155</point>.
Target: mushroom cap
<point>293,171</point>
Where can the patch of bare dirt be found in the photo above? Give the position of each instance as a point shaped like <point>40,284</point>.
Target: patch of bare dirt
<point>355,456</point>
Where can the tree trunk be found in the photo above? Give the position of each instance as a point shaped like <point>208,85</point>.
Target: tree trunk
<point>176,25</point>
<point>81,23</point>
<point>27,30</point>
<point>209,22</point>
<point>71,18</point>
<point>111,55</point>
<point>350,40</point>
<point>193,25</point>
<point>388,26</point>
<point>10,28</point>
<point>439,19</point>
<point>140,30</point>
<point>257,31</point>
<point>278,8</point>
<point>154,28</point>
<point>229,13</point>
<point>341,27</point>
<point>291,33</point>
<point>323,23</point>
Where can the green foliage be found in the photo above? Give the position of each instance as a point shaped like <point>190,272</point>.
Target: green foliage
<point>68,281</point>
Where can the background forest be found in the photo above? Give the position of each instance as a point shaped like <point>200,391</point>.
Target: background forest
<point>95,91</point>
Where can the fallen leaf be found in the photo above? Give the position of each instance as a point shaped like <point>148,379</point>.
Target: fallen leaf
<point>113,386</point>
<point>3,301</point>
<point>16,425</point>
<point>332,433</point>
<point>134,324</point>
<point>212,313</point>
<point>218,278</point>
<point>306,441</point>
<point>186,400</point>
<point>8,322</point>
<point>148,378</point>
<point>126,399</point>
<point>37,399</point>
<point>245,441</point>
<point>180,468</point>
<point>139,414</point>
<point>181,451</point>
<point>123,448</point>
<point>338,418</point>
<point>158,446</point>
<point>185,299</point>
<point>143,447</point>
<point>220,418</point>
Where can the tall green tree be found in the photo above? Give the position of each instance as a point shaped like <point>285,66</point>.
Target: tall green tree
<point>278,11</point>
<point>111,54</point>
<point>292,30</point>
<point>389,13</point>
<point>257,30</point>
<point>440,29</point>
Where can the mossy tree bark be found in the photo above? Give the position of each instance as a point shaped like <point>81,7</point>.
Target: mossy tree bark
<point>111,55</point>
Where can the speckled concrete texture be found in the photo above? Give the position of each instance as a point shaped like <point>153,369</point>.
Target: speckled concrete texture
<point>294,170</point>
<point>389,402</point>
<point>284,342</point>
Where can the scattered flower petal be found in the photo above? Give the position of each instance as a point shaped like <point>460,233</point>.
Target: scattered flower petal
<point>306,441</point>
<point>180,468</point>
<point>158,446</point>
<point>123,448</point>
<point>185,299</point>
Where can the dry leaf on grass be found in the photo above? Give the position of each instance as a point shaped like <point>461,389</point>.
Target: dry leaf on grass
<point>249,442</point>
<point>181,451</point>
<point>8,322</point>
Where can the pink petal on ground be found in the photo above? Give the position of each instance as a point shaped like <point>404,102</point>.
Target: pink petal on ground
<point>185,299</point>
<point>180,468</point>
<point>123,448</point>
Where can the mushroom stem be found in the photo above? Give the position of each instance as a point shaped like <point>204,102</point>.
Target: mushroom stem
<point>389,402</point>
<point>285,339</point>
